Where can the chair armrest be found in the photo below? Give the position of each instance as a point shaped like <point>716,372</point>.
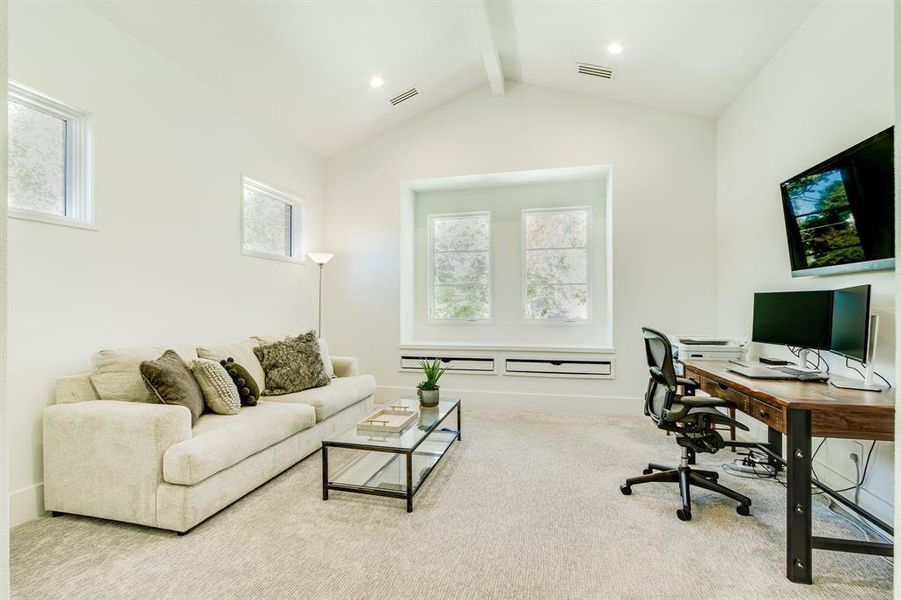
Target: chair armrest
<point>104,458</point>
<point>688,383</point>
<point>346,366</point>
<point>700,401</point>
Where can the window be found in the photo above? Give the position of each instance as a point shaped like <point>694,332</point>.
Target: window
<point>273,222</point>
<point>460,267</point>
<point>49,159</point>
<point>556,264</point>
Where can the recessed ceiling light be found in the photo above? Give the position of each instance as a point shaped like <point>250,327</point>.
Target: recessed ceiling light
<point>376,81</point>
<point>615,48</point>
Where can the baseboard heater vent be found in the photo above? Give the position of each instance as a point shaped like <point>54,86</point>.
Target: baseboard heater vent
<point>560,367</point>
<point>451,363</point>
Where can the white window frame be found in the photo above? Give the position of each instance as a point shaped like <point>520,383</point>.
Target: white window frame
<point>431,267</point>
<point>295,201</point>
<point>79,201</point>
<point>588,320</point>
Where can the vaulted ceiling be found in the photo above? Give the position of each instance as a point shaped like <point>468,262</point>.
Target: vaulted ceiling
<point>304,67</point>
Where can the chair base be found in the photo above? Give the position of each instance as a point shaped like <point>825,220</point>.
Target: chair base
<point>685,476</point>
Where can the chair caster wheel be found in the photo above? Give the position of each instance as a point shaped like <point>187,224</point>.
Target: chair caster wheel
<point>647,471</point>
<point>743,509</point>
<point>625,489</point>
<point>684,515</point>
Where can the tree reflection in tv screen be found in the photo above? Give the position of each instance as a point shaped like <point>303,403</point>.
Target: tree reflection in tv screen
<point>828,232</point>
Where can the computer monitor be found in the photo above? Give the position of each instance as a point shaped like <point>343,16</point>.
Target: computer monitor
<point>851,322</point>
<point>802,319</point>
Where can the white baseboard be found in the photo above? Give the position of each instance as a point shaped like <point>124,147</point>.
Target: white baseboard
<point>609,405</point>
<point>26,504</point>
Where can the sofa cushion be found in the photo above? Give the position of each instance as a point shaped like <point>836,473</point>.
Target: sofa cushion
<point>117,372</point>
<point>220,441</point>
<point>242,352</point>
<point>334,397</point>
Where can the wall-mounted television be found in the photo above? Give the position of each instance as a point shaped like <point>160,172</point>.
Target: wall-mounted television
<point>840,214</point>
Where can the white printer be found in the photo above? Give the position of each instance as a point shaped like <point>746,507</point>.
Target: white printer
<point>699,347</point>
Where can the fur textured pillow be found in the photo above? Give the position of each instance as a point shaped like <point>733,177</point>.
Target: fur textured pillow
<point>219,391</point>
<point>247,386</point>
<point>172,382</point>
<point>292,365</point>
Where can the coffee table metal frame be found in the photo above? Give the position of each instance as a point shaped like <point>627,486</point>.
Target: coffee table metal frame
<point>410,491</point>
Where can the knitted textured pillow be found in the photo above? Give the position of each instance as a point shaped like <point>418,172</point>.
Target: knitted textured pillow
<point>248,388</point>
<point>292,365</point>
<point>219,391</point>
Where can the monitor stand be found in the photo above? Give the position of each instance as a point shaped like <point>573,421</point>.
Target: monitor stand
<point>867,385</point>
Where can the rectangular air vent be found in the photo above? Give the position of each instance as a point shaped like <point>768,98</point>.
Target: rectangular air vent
<point>595,71</point>
<point>404,96</point>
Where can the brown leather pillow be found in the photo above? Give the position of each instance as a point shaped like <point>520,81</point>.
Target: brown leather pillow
<point>171,382</point>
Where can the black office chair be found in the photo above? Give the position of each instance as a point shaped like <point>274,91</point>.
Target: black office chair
<point>692,419</point>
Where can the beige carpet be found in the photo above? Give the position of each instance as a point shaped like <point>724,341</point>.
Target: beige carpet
<point>527,506</point>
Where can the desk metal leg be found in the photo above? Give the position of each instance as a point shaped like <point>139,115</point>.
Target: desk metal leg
<point>798,522</point>
<point>774,442</point>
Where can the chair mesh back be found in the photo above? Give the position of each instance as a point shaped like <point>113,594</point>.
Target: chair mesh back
<point>662,385</point>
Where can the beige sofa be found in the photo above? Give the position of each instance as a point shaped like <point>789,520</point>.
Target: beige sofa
<point>143,463</point>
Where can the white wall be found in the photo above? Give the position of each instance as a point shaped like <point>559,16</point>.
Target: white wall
<point>4,396</point>
<point>662,212</point>
<point>164,264</point>
<point>829,87</point>
<point>506,203</point>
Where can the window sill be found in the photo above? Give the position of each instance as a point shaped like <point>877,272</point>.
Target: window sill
<point>508,348</point>
<point>28,215</point>
<point>288,259</point>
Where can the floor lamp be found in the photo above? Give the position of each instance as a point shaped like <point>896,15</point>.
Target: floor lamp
<point>320,258</point>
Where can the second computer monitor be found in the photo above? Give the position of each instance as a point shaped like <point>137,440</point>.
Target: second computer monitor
<point>802,319</point>
<point>851,322</point>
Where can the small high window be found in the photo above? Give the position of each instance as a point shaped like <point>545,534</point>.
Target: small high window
<point>273,222</point>
<point>50,171</point>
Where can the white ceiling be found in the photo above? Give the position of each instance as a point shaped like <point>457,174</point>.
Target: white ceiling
<point>303,67</point>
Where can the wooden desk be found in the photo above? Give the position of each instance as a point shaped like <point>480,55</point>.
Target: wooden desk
<point>801,410</point>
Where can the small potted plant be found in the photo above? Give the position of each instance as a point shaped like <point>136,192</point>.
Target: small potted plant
<point>428,389</point>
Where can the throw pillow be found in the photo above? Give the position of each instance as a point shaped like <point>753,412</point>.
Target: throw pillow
<point>241,352</point>
<point>247,387</point>
<point>326,358</point>
<point>219,391</point>
<point>292,365</point>
<point>170,379</point>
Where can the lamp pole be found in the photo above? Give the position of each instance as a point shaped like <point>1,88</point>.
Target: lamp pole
<point>319,327</point>
<point>320,258</point>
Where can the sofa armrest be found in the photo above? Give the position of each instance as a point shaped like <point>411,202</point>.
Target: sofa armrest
<point>104,458</point>
<point>346,366</point>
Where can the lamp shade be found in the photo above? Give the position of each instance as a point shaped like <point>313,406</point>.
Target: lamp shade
<point>320,258</point>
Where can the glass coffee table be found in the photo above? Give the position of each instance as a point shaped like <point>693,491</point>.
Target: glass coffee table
<point>393,464</point>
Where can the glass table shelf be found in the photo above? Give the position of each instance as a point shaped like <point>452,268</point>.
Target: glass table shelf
<point>393,464</point>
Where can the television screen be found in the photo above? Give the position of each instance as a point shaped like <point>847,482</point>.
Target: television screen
<point>839,215</point>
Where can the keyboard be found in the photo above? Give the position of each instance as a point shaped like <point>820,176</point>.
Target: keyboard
<point>802,374</point>
<point>696,342</point>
